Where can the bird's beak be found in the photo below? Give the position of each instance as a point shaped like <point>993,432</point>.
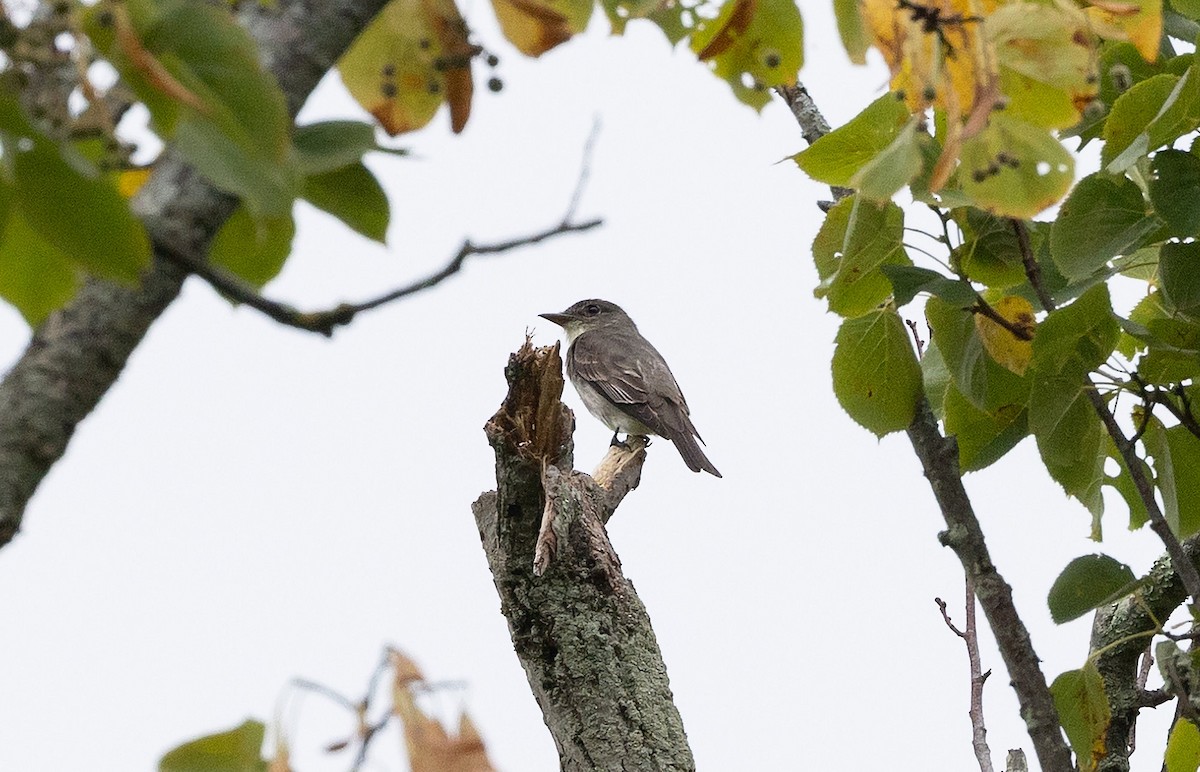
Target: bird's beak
<point>560,319</point>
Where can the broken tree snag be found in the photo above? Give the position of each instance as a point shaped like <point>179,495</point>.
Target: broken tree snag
<point>579,629</point>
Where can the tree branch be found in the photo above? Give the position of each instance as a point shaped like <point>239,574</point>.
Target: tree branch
<point>78,353</point>
<point>325,322</point>
<point>581,633</point>
<point>1120,634</point>
<point>1126,447</point>
<point>939,457</point>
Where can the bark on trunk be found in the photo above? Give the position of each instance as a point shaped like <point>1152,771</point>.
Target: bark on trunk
<point>78,353</point>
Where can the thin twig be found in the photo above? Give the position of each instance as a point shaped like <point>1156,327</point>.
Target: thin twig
<point>1143,676</point>
<point>916,337</point>
<point>970,637</point>
<point>1033,271</point>
<point>585,170</point>
<point>1137,470</point>
<point>325,691</point>
<point>1153,395</point>
<point>325,322</point>
<point>1019,331</point>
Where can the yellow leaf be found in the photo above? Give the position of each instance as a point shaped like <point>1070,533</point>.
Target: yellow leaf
<point>1046,61</point>
<point>536,26</point>
<point>1009,350</point>
<point>411,58</point>
<point>1137,21</point>
<point>933,47</point>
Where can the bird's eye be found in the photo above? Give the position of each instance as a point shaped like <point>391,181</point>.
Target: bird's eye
<point>592,309</point>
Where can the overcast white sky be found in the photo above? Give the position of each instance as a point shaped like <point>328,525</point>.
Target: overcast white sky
<point>252,503</point>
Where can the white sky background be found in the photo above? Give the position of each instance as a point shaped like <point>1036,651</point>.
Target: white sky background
<point>252,503</point>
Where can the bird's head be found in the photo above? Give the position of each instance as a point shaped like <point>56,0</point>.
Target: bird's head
<point>589,315</point>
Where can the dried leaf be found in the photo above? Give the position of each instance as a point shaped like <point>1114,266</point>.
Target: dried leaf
<point>430,747</point>
<point>536,26</point>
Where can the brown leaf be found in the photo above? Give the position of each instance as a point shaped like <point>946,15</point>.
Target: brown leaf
<point>430,747</point>
<point>451,31</point>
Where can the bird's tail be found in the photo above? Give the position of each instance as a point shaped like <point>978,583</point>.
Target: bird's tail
<point>693,456</point>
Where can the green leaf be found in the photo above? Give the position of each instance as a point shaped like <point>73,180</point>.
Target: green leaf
<point>1176,456</point>
<point>876,377</point>
<point>262,184</point>
<point>1046,61</point>
<point>856,239</point>
<point>35,276</point>
<point>1189,8</point>
<point>1120,68</point>
<point>851,29</point>
<point>1173,354</point>
<point>198,73</point>
<point>983,437</point>
<point>1069,344</point>
<point>674,19</point>
<point>1076,339</point>
<point>238,750</point>
<point>1179,274</point>
<point>936,378</point>
<point>907,281</point>
<point>1087,583</point>
<point>1183,747</point>
<point>1175,190</point>
<point>1069,437</point>
<point>354,196</point>
<point>987,385</point>
<point>885,174</point>
<point>78,213</point>
<point>329,145</point>
<point>1015,169</point>
<point>1084,712</point>
<point>1103,217</point>
<point>989,253</point>
<point>253,249</point>
<point>1123,484</point>
<point>836,157</point>
<point>1152,114</point>
<point>753,45</point>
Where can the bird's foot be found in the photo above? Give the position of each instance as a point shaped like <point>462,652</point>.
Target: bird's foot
<point>624,444</point>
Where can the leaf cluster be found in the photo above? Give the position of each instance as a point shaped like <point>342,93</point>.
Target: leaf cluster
<point>1023,336</point>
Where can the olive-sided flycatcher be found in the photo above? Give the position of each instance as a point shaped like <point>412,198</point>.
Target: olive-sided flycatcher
<point>624,381</point>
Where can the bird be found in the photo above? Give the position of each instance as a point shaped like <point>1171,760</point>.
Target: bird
<point>624,381</point>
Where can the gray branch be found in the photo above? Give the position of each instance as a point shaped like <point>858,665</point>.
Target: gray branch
<point>78,353</point>
<point>963,534</point>
<point>1120,634</point>
<point>579,630</point>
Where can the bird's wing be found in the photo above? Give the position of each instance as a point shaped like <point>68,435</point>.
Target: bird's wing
<point>624,378</point>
